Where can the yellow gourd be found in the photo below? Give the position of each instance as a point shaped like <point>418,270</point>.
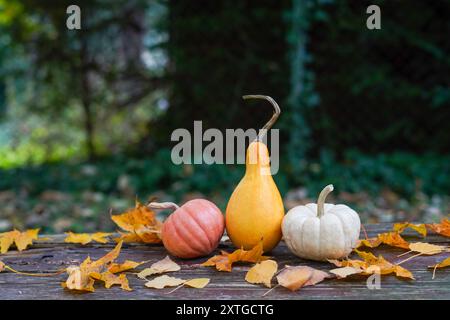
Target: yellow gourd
<point>255,210</point>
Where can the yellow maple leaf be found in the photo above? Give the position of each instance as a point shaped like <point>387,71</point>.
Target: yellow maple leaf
<point>80,276</point>
<point>85,238</point>
<point>120,267</point>
<point>111,279</point>
<point>140,223</point>
<point>442,228</point>
<point>164,265</point>
<point>225,260</point>
<point>401,226</point>
<point>21,239</point>
<point>262,272</point>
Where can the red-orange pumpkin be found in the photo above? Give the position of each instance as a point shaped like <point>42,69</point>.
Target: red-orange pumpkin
<point>193,230</point>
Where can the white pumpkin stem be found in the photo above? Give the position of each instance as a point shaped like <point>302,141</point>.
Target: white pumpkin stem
<point>163,205</point>
<point>321,200</point>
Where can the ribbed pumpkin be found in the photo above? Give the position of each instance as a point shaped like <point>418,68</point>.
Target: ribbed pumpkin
<point>192,230</point>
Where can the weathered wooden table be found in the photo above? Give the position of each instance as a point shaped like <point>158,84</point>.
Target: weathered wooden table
<point>52,255</point>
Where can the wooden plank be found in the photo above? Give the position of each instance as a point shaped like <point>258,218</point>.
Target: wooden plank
<point>51,255</point>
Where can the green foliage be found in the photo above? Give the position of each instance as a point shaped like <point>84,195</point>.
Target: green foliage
<point>401,172</point>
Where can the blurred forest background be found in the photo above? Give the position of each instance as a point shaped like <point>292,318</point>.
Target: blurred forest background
<point>86,115</point>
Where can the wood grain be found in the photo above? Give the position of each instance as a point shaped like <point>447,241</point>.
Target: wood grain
<point>50,255</point>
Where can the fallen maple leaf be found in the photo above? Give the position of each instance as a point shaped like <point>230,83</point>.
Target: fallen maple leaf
<point>444,263</point>
<point>80,276</point>
<point>372,264</point>
<point>164,281</point>
<point>442,228</point>
<point>344,272</point>
<point>120,267</point>
<point>2,266</point>
<point>111,279</point>
<point>140,223</point>
<point>393,239</point>
<point>293,278</point>
<point>225,260</point>
<point>164,265</point>
<point>262,273</point>
<point>21,239</point>
<point>419,228</point>
<point>426,248</point>
<point>85,238</point>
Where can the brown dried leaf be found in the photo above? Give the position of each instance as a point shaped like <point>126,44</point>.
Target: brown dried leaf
<point>294,278</point>
<point>164,265</point>
<point>262,273</point>
<point>344,272</point>
<point>164,281</point>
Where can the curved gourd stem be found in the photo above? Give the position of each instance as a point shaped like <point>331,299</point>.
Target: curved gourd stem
<point>272,120</point>
<point>163,205</point>
<point>321,200</point>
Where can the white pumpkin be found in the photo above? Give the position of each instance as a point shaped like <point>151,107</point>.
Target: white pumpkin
<point>321,231</point>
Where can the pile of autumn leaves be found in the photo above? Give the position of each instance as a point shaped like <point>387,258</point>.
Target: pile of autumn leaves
<point>140,225</point>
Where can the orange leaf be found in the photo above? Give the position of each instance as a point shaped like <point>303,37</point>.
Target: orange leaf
<point>21,239</point>
<point>2,266</point>
<point>85,238</point>
<point>401,226</point>
<point>140,223</point>
<point>294,278</point>
<point>225,260</point>
<point>262,273</point>
<point>393,239</point>
<point>372,264</point>
<point>442,228</point>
